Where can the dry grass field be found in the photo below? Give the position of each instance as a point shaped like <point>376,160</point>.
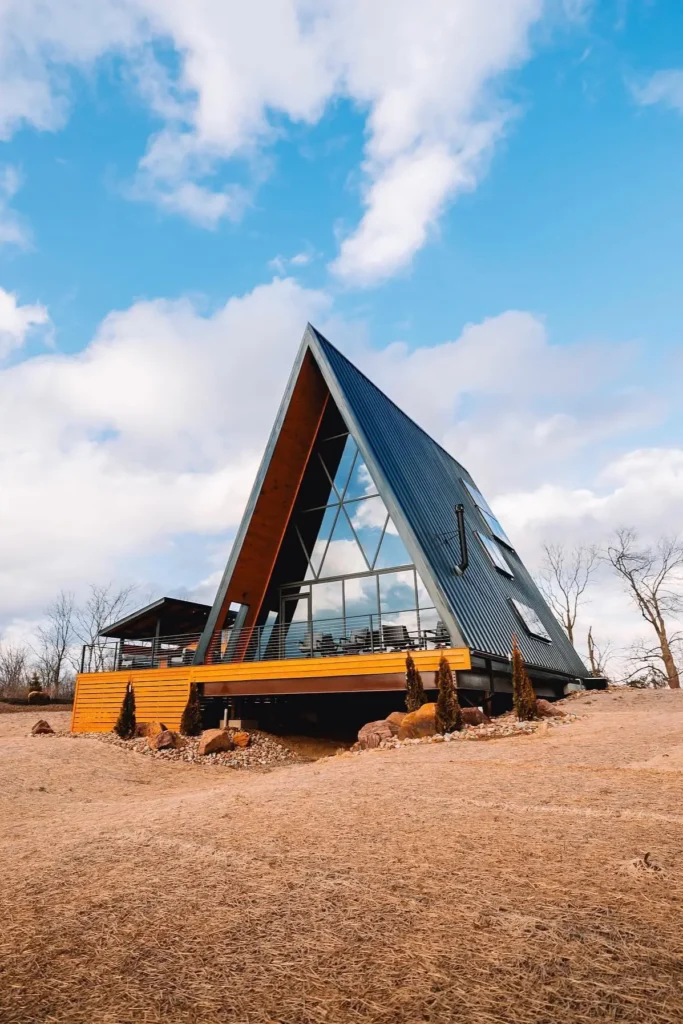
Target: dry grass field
<point>469,882</point>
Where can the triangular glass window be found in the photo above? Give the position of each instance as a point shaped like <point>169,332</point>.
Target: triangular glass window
<point>316,545</point>
<point>368,518</point>
<point>361,484</point>
<point>343,555</point>
<point>393,551</point>
<point>337,455</point>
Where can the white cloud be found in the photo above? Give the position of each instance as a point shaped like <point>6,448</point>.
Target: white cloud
<point>665,87</point>
<point>427,74</point>
<point>16,321</point>
<point>12,230</point>
<point>152,433</point>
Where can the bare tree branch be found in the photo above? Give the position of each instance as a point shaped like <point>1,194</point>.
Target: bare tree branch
<point>103,606</point>
<point>14,670</point>
<point>653,577</point>
<point>563,578</point>
<point>55,639</point>
<point>598,656</point>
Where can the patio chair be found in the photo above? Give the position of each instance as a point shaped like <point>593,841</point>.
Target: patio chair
<point>397,638</point>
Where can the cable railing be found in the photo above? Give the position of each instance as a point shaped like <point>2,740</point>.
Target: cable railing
<point>374,633</point>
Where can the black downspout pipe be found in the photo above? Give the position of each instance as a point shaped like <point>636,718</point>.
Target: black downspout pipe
<point>464,557</point>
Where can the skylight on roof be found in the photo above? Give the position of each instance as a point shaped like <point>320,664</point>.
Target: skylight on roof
<point>495,554</point>
<point>486,513</point>
<point>531,620</point>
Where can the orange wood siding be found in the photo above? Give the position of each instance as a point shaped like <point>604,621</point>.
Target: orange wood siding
<point>278,493</point>
<point>161,693</point>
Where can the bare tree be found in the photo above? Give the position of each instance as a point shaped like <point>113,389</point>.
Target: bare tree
<point>14,670</point>
<point>563,578</point>
<point>598,656</point>
<point>653,577</point>
<point>55,639</point>
<point>104,605</point>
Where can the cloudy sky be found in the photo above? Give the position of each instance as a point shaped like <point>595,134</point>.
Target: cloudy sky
<point>479,202</point>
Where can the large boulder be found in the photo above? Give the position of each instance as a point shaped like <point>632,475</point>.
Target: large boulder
<point>417,724</point>
<point>544,709</point>
<point>42,728</point>
<point>149,729</point>
<point>166,740</point>
<point>241,738</point>
<point>372,734</point>
<point>214,741</point>
<point>394,721</point>
<point>474,716</point>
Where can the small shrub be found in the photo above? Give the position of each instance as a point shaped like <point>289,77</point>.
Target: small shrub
<point>125,723</point>
<point>448,712</point>
<point>415,694</point>
<point>523,695</point>
<point>191,722</point>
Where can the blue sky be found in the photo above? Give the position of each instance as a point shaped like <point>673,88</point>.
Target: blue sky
<point>483,210</point>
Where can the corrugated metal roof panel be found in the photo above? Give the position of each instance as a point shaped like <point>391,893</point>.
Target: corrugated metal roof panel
<point>426,483</point>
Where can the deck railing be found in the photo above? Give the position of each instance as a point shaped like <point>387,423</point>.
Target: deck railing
<point>356,634</point>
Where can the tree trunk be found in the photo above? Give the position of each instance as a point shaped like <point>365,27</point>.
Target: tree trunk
<point>670,664</point>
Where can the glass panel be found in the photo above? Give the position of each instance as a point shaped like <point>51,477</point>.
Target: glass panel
<point>329,451</point>
<point>368,517</point>
<point>531,620</point>
<point>495,554</point>
<point>361,484</point>
<point>478,498</point>
<point>344,555</point>
<point>315,546</point>
<point>392,551</point>
<point>327,602</point>
<point>360,598</point>
<point>423,598</point>
<point>495,527</point>
<point>396,591</point>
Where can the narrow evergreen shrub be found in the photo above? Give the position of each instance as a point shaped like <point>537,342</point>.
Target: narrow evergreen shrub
<point>415,694</point>
<point>448,713</point>
<point>125,723</point>
<point>523,696</point>
<point>191,722</point>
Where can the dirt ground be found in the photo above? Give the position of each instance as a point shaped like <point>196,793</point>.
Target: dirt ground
<point>480,882</point>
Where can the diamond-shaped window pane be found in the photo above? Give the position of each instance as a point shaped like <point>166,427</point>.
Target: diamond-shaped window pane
<point>368,518</point>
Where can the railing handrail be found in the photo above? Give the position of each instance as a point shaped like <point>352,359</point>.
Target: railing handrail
<point>343,634</point>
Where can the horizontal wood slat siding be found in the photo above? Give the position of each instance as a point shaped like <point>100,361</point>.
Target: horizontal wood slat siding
<point>161,693</point>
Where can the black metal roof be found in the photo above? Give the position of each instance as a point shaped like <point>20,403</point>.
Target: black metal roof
<point>421,485</point>
<point>174,616</point>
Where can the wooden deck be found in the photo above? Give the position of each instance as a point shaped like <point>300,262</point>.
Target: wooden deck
<point>161,693</point>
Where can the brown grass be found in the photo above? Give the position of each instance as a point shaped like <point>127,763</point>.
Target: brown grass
<point>475,883</point>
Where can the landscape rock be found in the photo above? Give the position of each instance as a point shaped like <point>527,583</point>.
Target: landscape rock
<point>394,721</point>
<point>212,741</point>
<point>42,728</point>
<point>473,716</point>
<point>544,709</point>
<point>166,740</point>
<point>418,724</point>
<point>241,738</point>
<point>149,728</point>
<point>372,734</point>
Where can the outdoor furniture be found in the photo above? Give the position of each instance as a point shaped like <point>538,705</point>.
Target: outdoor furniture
<point>439,636</point>
<point>323,644</point>
<point>397,638</point>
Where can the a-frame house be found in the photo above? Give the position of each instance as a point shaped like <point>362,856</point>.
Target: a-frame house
<point>362,539</point>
